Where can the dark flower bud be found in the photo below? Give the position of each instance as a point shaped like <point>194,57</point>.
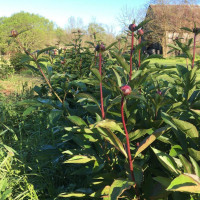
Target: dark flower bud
<point>126,90</point>
<point>140,32</point>
<point>97,48</point>
<point>100,47</point>
<point>14,33</point>
<point>196,30</point>
<point>132,27</point>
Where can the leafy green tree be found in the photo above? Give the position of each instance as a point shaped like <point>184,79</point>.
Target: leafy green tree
<point>35,31</point>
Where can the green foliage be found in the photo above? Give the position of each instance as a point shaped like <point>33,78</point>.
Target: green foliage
<point>35,31</point>
<point>60,138</point>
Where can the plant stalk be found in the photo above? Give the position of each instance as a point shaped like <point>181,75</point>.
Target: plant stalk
<point>139,61</point>
<point>194,48</point>
<point>128,147</point>
<point>100,84</point>
<point>127,139</point>
<point>131,55</point>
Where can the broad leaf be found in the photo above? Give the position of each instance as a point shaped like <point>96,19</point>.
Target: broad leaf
<point>77,120</point>
<point>186,164</point>
<point>89,97</point>
<point>187,128</point>
<point>77,195</point>
<point>96,73</point>
<point>139,133</point>
<point>46,49</point>
<point>54,115</point>
<point>109,124</point>
<point>150,139</point>
<point>187,29</point>
<point>121,61</point>
<point>166,160</point>
<point>185,183</point>
<point>113,139</point>
<point>194,154</point>
<point>195,166</point>
<point>111,45</point>
<point>118,187</point>
<point>119,83</point>
<point>78,159</point>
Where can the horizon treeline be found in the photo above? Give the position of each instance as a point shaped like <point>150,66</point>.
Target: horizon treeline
<point>38,32</point>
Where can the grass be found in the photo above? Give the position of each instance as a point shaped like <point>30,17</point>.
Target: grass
<point>170,61</point>
<point>18,82</point>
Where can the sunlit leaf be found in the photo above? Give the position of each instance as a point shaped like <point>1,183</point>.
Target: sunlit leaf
<point>118,187</point>
<point>185,183</point>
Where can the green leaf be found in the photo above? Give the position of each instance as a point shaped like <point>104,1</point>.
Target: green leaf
<point>96,73</point>
<point>119,83</point>
<point>111,45</point>
<point>168,119</point>
<point>185,183</point>
<point>166,160</point>
<point>32,67</point>
<point>187,128</point>
<point>150,139</point>
<point>174,47</point>
<point>140,25</point>
<point>113,139</point>
<point>118,187</point>
<point>78,159</point>
<point>55,115</point>
<point>46,49</point>
<point>194,154</point>
<point>88,97</point>
<point>29,110</point>
<point>121,61</point>
<point>103,193</point>
<point>196,111</point>
<point>78,195</point>
<point>195,166</point>
<point>25,58</point>
<point>187,29</point>
<point>186,164</point>
<point>139,133</point>
<point>163,180</point>
<point>77,120</point>
<point>109,124</point>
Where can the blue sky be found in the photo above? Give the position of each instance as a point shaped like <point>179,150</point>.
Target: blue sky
<point>59,11</point>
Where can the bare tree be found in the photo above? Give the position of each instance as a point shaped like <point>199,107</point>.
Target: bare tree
<point>126,17</point>
<point>74,24</point>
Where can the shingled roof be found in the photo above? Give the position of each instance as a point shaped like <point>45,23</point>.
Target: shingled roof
<point>175,16</point>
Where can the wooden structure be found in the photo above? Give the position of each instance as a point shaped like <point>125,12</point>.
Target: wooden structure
<point>166,23</point>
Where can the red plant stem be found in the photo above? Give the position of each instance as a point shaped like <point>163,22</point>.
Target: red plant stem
<point>128,147</point>
<point>127,139</point>
<point>139,62</point>
<point>101,92</point>
<point>131,55</point>
<point>194,47</point>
